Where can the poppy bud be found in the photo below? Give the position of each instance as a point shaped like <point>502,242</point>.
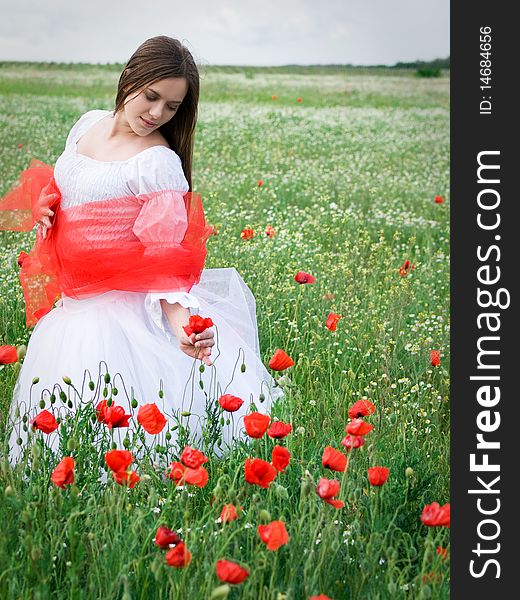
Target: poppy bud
<point>409,472</point>
<point>221,592</point>
<point>185,413</point>
<point>261,397</point>
<point>115,391</point>
<point>42,403</point>
<point>72,444</point>
<point>67,380</point>
<point>306,488</point>
<point>35,380</point>
<point>52,398</point>
<point>21,351</point>
<point>161,394</point>
<point>202,368</point>
<point>9,491</point>
<point>36,451</point>
<point>264,515</point>
<point>243,368</point>
<point>36,554</point>
<point>107,377</point>
<point>281,492</point>
<point>134,403</point>
<point>91,385</point>
<point>16,367</point>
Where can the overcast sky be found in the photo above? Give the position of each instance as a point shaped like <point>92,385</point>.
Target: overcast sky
<point>239,32</point>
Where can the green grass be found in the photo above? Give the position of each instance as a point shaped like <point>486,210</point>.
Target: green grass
<point>349,176</point>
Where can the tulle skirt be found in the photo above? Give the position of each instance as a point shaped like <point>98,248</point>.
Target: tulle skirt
<point>117,333</point>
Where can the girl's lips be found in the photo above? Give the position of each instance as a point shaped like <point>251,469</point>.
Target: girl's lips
<point>147,124</point>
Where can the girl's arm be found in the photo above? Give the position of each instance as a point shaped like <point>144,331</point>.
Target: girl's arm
<point>177,316</point>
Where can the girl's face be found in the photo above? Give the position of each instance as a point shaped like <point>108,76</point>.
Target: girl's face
<point>155,104</point>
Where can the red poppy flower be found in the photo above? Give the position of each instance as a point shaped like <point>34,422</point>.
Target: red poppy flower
<point>359,427</point>
<point>197,324</point>
<point>270,231</point>
<point>438,199</point>
<point>299,100</point>
<point>247,234</point>
<point>361,408</point>
<point>63,473</point>
<point>405,268</point>
<point>279,430</point>
<point>274,97</point>
<point>442,552</point>
<point>273,535</point>
<point>435,358</point>
<point>118,460</point>
<point>332,321</point>
<point>334,459</point>
<point>21,258</point>
<point>230,572</point>
<point>128,478</point>
<point>179,556</point>
<point>280,361</point>
<point>193,458</point>
<point>151,418</point>
<point>112,416</point>
<point>327,489</point>
<point>214,229</point>
<point>353,441</point>
<point>115,417</point>
<point>20,145</point>
<point>45,421</point>
<point>230,403</point>
<point>198,477</point>
<point>280,458</point>
<point>320,597</point>
<point>229,513</point>
<point>8,355</point>
<point>378,475</point>
<point>259,472</point>
<point>164,537</point>
<point>256,424</point>
<point>303,277</point>
<point>260,183</point>
<point>434,515</point>
<point>177,472</point>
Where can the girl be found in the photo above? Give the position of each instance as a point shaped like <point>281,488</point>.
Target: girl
<point>122,240</point>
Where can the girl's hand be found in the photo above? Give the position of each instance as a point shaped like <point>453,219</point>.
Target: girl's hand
<point>198,345</point>
<point>45,220</point>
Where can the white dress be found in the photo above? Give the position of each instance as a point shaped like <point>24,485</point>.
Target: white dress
<point>126,333</point>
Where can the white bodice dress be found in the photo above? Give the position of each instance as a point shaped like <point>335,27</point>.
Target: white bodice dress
<point>127,334</point>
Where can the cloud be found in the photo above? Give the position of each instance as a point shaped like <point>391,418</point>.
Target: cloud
<point>233,32</point>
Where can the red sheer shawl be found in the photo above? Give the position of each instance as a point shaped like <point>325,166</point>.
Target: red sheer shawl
<point>148,243</point>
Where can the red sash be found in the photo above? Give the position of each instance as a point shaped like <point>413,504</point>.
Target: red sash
<point>148,243</point>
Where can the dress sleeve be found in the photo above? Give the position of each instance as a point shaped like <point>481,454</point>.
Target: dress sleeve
<point>162,219</point>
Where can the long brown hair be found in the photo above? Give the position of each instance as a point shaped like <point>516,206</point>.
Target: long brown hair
<point>159,58</point>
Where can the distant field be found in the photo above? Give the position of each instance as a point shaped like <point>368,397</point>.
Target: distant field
<point>349,177</point>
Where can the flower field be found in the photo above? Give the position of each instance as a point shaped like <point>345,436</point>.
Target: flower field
<point>328,191</point>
